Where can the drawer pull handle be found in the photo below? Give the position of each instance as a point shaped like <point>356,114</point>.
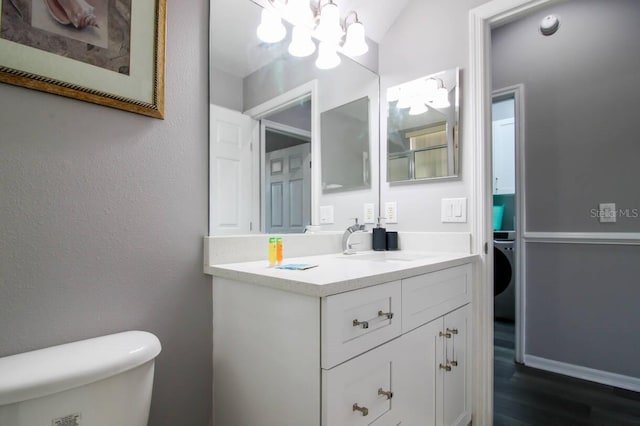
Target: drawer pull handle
<point>389,315</point>
<point>363,324</point>
<point>363,410</point>
<point>445,367</point>
<point>447,335</point>
<point>388,394</point>
<point>452,330</point>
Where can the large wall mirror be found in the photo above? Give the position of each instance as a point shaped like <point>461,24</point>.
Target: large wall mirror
<point>287,139</point>
<point>423,129</point>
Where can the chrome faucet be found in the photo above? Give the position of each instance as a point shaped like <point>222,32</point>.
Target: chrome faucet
<point>346,246</point>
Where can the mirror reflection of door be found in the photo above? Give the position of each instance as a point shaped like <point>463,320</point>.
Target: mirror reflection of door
<point>287,183</point>
<point>232,176</point>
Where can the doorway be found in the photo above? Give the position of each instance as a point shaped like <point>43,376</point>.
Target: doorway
<point>507,124</point>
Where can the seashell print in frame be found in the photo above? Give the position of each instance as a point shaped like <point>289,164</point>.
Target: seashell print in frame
<point>108,52</point>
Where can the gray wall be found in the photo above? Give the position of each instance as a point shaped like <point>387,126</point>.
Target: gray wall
<point>225,89</point>
<point>102,214</point>
<point>582,100</point>
<point>428,37</point>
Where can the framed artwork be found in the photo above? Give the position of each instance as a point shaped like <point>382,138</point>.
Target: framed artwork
<point>109,52</point>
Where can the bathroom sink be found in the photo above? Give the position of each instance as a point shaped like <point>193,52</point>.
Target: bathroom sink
<point>388,256</point>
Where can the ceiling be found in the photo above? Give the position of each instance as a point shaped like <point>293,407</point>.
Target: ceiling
<point>236,49</point>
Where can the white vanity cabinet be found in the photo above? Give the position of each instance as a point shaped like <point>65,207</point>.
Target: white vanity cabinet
<point>435,370</point>
<point>388,354</point>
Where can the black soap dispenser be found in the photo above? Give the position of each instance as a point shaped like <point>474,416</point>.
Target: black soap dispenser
<point>379,242</point>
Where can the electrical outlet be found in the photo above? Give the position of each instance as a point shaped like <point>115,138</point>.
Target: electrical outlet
<point>369,213</point>
<point>326,215</point>
<point>391,212</point>
<point>607,213</point>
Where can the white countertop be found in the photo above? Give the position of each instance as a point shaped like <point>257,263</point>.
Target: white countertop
<point>337,273</point>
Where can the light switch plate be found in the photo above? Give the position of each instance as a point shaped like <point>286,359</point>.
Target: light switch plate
<point>369,213</point>
<point>454,210</point>
<point>326,215</point>
<point>391,212</point>
<point>607,212</point>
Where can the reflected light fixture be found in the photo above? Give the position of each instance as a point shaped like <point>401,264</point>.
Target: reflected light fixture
<point>271,29</point>
<point>418,108</point>
<point>327,56</point>
<point>329,29</point>
<point>354,44</point>
<point>304,15</point>
<point>301,44</point>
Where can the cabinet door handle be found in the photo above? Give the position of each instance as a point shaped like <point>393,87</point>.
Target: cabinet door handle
<point>445,367</point>
<point>453,363</point>
<point>389,315</point>
<point>447,335</point>
<point>388,394</point>
<point>363,324</point>
<point>452,330</point>
<point>363,410</point>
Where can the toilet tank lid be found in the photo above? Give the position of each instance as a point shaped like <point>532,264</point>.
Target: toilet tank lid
<point>58,368</point>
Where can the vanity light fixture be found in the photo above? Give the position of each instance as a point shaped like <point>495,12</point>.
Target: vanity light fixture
<point>418,108</point>
<point>271,29</point>
<point>355,43</point>
<point>301,44</point>
<point>329,29</point>
<point>327,56</point>
<point>321,23</point>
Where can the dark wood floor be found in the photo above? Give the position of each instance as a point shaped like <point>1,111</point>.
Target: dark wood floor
<point>526,396</point>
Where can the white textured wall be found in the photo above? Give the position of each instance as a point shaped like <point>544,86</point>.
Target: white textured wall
<point>428,37</point>
<point>102,214</point>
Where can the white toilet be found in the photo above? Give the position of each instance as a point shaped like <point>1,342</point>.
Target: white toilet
<point>105,381</point>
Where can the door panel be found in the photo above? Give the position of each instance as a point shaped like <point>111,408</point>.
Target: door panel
<point>288,186</point>
<point>232,176</point>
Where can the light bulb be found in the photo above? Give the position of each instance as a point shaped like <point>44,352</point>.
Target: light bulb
<point>442,99</point>
<point>418,108</point>
<point>300,12</point>
<point>301,44</point>
<point>329,28</point>
<point>270,29</point>
<point>405,98</point>
<point>355,44</point>
<point>327,56</point>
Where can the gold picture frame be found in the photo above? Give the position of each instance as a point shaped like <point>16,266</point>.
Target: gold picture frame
<point>114,55</point>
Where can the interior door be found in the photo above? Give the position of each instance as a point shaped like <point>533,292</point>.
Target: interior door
<point>234,178</point>
<point>288,189</point>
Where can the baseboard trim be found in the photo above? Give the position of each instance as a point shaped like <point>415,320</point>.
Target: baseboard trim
<point>585,373</point>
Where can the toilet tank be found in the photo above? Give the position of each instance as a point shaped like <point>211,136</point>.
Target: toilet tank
<point>104,381</point>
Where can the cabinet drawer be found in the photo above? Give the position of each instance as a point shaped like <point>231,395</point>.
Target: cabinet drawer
<point>359,320</point>
<point>426,297</point>
<point>361,391</point>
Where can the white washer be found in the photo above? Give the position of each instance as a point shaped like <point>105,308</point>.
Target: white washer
<point>504,279</point>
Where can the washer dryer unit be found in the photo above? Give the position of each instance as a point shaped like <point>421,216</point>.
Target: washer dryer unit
<point>504,275</point>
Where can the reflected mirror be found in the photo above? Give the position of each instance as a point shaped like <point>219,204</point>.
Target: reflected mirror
<point>345,148</point>
<point>422,128</point>
<point>283,132</point>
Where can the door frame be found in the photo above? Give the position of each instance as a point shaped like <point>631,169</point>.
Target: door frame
<point>280,102</point>
<point>517,92</point>
<point>481,20</point>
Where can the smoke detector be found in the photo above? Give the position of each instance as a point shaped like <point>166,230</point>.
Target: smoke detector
<point>549,25</point>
